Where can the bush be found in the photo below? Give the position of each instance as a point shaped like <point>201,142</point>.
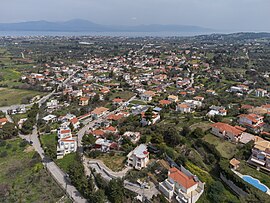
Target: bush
<point>3,154</point>
<point>94,154</point>
<point>2,143</point>
<point>9,146</point>
<point>23,143</point>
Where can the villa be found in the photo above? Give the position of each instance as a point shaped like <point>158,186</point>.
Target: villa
<point>226,131</point>
<point>261,153</point>
<point>253,122</point>
<point>66,143</point>
<point>139,157</point>
<point>186,187</point>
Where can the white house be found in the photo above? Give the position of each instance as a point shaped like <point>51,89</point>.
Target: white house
<point>260,92</point>
<point>66,143</point>
<point>139,157</point>
<point>183,108</point>
<point>49,118</point>
<point>147,96</point>
<point>252,121</point>
<point>226,131</point>
<point>186,187</point>
<point>133,136</point>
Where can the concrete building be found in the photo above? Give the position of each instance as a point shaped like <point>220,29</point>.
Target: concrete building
<point>186,187</point>
<point>139,157</point>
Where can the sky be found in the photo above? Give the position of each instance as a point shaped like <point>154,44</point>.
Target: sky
<point>223,15</point>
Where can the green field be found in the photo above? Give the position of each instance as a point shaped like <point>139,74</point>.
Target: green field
<point>124,95</point>
<point>68,160</point>
<point>225,148</point>
<point>23,176</point>
<point>15,96</point>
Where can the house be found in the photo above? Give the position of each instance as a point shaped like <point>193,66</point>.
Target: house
<point>75,123</point>
<point>3,121</point>
<point>99,112</point>
<point>226,131</point>
<point>110,130</point>
<point>52,104</point>
<point>234,163</point>
<point>164,102</point>
<point>260,92</point>
<point>217,110</point>
<point>105,145</point>
<point>147,96</point>
<point>154,119</point>
<point>134,137</point>
<point>98,133</point>
<point>118,101</point>
<point>66,143</point>
<point>186,187</point>
<point>193,103</point>
<point>253,122</point>
<point>261,153</point>
<point>84,101</point>
<point>49,118</point>
<point>183,108</point>
<point>139,157</point>
<point>173,98</point>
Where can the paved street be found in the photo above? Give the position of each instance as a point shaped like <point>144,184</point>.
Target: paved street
<point>56,172</point>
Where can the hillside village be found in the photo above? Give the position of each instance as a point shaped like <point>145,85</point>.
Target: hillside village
<point>148,119</point>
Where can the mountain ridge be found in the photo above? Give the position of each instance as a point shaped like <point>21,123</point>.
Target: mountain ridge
<point>79,25</point>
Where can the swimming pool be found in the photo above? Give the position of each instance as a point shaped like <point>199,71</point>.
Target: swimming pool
<point>255,182</point>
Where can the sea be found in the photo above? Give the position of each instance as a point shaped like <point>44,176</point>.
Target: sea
<point>111,34</point>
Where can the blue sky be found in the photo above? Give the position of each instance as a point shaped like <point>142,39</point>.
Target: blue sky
<point>229,15</point>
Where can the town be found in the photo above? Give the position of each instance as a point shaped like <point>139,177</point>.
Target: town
<point>136,119</point>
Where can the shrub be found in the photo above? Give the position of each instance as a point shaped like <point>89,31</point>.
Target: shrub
<point>23,143</point>
<point>3,143</point>
<point>3,154</point>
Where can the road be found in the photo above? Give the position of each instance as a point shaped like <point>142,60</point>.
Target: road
<point>83,130</point>
<point>102,169</point>
<point>40,102</point>
<point>56,172</point>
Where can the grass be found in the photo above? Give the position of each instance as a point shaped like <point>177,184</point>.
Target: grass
<point>15,96</point>
<point>17,117</point>
<point>48,139</point>
<point>139,102</point>
<point>205,177</point>
<point>245,169</point>
<point>205,125</point>
<point>9,74</point>
<point>123,95</point>
<point>226,149</point>
<point>67,161</point>
<point>115,162</point>
<point>22,172</point>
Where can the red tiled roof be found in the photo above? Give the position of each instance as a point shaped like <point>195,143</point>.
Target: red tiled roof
<point>227,128</point>
<point>165,102</point>
<point>181,178</point>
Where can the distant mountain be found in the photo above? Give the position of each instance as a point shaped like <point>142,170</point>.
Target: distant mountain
<point>87,26</point>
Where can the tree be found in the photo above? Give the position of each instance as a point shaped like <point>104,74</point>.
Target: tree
<point>171,136</point>
<point>88,140</point>
<point>198,133</point>
<point>8,131</point>
<point>185,131</point>
<point>216,191</point>
<point>115,191</point>
<point>156,139</point>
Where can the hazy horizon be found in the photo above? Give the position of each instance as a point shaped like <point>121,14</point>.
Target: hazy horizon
<point>221,15</point>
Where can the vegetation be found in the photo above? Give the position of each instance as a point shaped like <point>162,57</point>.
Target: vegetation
<point>22,176</point>
<point>16,96</point>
